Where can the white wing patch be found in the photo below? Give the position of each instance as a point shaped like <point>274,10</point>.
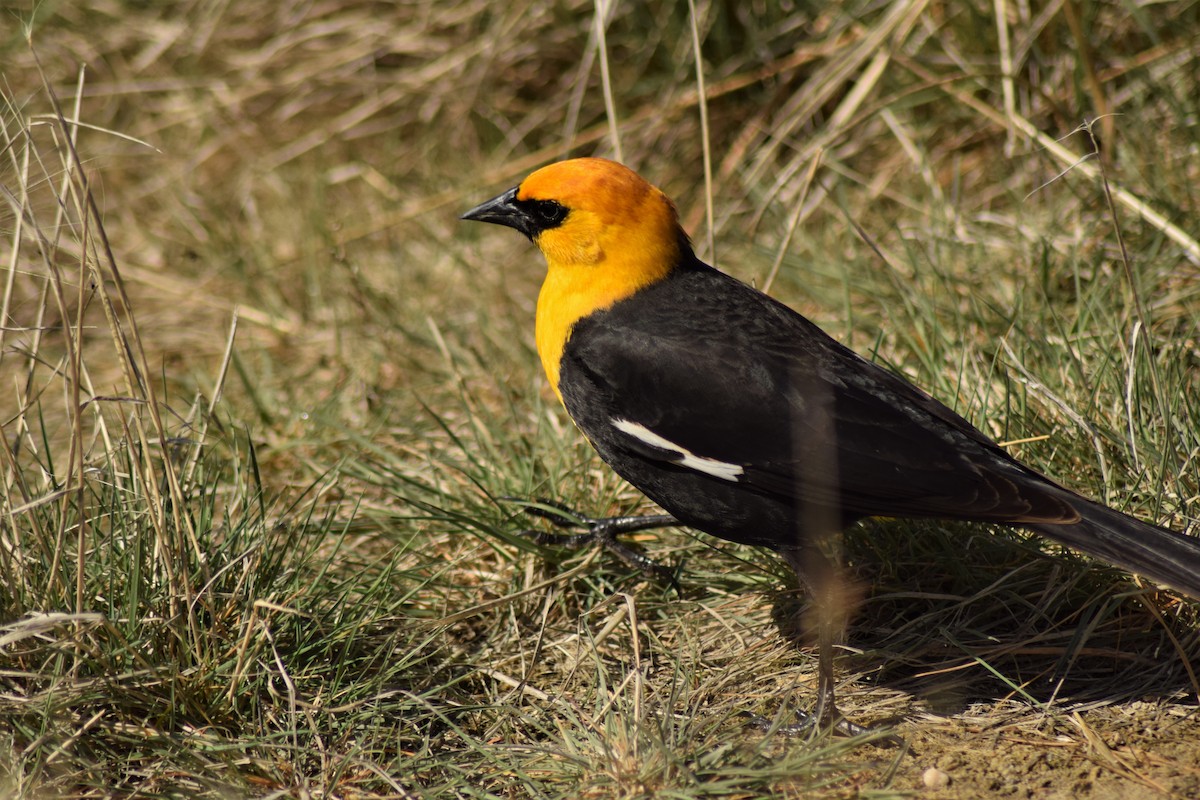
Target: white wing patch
<point>684,458</point>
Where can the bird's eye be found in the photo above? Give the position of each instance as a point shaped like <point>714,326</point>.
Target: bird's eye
<point>550,212</point>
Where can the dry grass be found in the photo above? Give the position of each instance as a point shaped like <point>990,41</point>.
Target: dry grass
<point>261,393</point>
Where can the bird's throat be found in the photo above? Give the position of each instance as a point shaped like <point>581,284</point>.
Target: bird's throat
<point>574,291</point>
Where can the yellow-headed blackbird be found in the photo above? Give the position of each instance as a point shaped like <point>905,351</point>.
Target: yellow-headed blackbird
<point>743,419</point>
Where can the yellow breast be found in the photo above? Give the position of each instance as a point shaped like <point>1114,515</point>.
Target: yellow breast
<point>587,277</point>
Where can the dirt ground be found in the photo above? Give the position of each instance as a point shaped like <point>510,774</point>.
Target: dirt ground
<point>1135,750</point>
<point>1044,712</point>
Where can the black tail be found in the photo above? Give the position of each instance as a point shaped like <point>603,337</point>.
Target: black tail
<point>1164,556</point>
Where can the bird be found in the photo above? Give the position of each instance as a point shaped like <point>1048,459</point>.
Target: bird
<point>741,418</point>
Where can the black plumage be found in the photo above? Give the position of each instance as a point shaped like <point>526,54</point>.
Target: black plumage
<point>725,372</point>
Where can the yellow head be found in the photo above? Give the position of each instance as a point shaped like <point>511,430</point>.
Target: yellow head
<point>605,233</point>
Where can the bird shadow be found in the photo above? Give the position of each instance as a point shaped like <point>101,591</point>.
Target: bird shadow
<point>957,614</point>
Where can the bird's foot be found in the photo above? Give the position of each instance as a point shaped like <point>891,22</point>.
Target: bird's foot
<point>808,722</point>
<point>825,717</point>
<point>599,532</point>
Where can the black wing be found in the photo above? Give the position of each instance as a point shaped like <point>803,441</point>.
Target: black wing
<point>782,409</point>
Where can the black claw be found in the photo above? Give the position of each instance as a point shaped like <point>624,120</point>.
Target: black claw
<point>557,514</point>
<point>817,721</point>
<point>807,723</point>
<point>599,531</point>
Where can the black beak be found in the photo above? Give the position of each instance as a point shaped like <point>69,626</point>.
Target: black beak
<point>503,210</point>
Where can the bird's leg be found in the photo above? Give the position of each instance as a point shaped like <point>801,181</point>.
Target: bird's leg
<point>819,575</point>
<point>825,713</point>
<point>600,532</point>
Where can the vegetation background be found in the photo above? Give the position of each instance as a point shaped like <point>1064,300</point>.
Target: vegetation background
<point>262,395</point>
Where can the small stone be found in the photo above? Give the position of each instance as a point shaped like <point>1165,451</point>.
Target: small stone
<point>934,778</point>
